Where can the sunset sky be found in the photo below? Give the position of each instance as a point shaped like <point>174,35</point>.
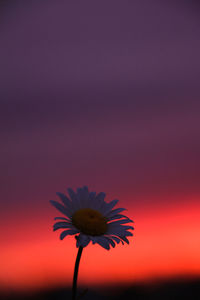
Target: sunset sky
<point>106,95</point>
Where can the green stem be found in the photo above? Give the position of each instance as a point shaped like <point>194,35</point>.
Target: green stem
<point>74,287</point>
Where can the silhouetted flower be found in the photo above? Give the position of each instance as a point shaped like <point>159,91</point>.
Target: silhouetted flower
<point>90,218</point>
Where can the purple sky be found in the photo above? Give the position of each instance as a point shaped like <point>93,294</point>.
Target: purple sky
<point>104,94</point>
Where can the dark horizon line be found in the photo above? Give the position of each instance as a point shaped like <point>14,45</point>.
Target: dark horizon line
<point>156,281</point>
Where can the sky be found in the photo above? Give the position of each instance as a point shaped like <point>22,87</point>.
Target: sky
<point>104,95</point>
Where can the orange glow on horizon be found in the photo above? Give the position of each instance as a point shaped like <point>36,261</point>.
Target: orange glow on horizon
<point>166,243</point>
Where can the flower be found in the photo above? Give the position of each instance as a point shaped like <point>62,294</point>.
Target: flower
<point>90,218</point>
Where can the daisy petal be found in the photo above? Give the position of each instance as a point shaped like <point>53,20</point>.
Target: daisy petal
<point>99,199</point>
<point>72,194</point>
<point>119,222</point>
<point>78,198</point>
<point>116,230</point>
<point>112,203</point>
<point>118,216</point>
<point>126,227</point>
<point>114,212</point>
<point>110,241</point>
<point>84,194</point>
<point>82,240</point>
<point>59,225</point>
<point>91,199</point>
<point>128,233</point>
<point>85,188</point>
<point>102,241</point>
<point>109,206</point>
<point>60,207</point>
<point>68,232</point>
<point>119,226</point>
<point>121,241</point>
<point>65,200</point>
<point>101,196</point>
<point>116,239</point>
<point>60,218</point>
<point>124,239</point>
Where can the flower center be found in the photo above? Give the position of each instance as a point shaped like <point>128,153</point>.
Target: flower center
<point>89,221</point>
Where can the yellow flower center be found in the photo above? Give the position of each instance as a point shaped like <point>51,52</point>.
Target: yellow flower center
<point>89,221</point>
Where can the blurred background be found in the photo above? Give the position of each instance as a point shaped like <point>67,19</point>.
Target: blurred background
<point>104,94</point>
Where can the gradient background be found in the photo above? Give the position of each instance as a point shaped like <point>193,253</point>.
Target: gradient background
<point>104,94</point>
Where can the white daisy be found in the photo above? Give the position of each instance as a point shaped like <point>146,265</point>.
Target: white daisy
<point>90,218</point>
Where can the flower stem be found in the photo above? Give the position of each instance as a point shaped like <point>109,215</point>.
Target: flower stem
<point>74,287</point>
